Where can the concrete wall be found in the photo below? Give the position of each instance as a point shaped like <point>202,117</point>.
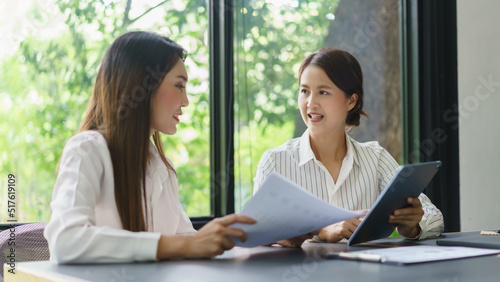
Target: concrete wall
<point>479,109</point>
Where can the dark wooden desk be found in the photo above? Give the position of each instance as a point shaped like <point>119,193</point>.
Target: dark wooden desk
<point>272,264</point>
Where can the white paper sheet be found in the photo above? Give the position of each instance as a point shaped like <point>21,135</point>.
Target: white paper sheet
<point>414,254</point>
<point>284,210</point>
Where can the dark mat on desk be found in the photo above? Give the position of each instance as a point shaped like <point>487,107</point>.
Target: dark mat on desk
<point>478,241</point>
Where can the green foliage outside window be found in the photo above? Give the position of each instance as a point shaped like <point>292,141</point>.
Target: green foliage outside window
<point>46,83</point>
<point>272,38</point>
<point>45,86</point>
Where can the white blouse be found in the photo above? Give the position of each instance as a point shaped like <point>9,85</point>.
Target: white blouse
<point>85,225</point>
<point>366,170</point>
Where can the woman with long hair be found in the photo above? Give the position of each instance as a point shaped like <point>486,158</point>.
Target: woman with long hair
<point>329,163</point>
<point>116,194</point>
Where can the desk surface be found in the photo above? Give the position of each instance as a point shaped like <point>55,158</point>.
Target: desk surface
<point>274,264</point>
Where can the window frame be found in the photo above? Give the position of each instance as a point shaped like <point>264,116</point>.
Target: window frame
<point>417,33</point>
<point>429,88</point>
<point>220,38</point>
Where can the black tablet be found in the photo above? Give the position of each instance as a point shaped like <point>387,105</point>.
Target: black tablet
<point>408,181</point>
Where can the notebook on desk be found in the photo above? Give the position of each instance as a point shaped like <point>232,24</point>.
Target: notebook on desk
<point>412,254</point>
<point>477,240</point>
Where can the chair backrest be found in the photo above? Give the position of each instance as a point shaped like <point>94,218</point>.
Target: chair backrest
<point>30,245</point>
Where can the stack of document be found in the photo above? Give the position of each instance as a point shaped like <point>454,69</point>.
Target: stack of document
<point>284,210</point>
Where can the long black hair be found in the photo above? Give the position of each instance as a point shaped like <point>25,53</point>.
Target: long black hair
<point>130,74</point>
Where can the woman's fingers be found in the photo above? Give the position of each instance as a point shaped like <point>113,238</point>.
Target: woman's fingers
<point>415,202</point>
<point>227,244</point>
<point>407,219</point>
<point>291,243</point>
<point>236,233</point>
<point>215,237</point>
<point>402,218</point>
<point>235,218</point>
<point>409,215</point>
<point>352,224</point>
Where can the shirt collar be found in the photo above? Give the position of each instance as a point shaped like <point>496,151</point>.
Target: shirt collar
<point>351,150</point>
<point>306,153</point>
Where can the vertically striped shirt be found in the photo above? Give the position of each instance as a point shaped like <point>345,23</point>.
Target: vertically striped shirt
<point>366,170</point>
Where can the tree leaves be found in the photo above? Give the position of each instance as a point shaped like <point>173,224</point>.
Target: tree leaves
<point>49,81</point>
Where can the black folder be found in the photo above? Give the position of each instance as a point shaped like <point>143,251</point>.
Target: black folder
<point>477,241</point>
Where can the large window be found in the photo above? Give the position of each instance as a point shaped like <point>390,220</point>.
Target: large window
<point>272,37</point>
<point>49,55</point>
<point>51,52</point>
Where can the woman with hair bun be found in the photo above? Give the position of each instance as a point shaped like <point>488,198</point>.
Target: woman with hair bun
<point>330,164</point>
<point>116,195</point>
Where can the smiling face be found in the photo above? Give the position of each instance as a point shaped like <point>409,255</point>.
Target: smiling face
<point>169,100</point>
<point>322,104</point>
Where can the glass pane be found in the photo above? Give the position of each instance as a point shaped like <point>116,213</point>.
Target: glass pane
<point>272,37</point>
<point>49,57</point>
<point>186,22</point>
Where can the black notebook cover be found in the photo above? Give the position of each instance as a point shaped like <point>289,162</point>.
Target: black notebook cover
<point>478,241</point>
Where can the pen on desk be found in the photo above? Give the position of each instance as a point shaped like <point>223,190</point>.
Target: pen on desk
<point>359,257</point>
